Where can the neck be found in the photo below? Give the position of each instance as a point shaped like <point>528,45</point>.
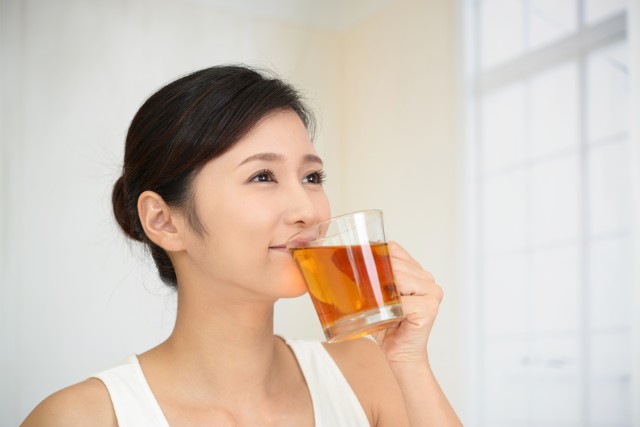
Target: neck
<point>224,344</point>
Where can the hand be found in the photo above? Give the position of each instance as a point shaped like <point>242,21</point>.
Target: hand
<point>420,297</point>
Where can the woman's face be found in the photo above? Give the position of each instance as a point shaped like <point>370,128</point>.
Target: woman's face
<point>250,201</point>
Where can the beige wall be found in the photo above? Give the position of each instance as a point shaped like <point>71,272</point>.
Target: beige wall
<point>398,150</point>
<point>400,146</point>
<point>73,74</point>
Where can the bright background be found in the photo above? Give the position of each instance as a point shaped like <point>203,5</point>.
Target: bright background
<point>389,81</point>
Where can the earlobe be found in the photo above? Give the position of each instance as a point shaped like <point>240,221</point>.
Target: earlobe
<point>159,222</point>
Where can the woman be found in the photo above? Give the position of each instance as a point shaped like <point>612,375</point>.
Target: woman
<point>219,170</point>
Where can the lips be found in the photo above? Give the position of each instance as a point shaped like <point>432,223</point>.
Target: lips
<point>300,242</point>
<point>282,248</point>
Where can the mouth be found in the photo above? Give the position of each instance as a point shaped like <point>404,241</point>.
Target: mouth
<point>280,248</point>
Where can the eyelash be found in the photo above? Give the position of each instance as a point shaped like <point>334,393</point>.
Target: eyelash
<point>268,172</point>
<point>321,176</point>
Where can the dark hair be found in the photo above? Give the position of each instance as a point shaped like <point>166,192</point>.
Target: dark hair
<point>183,126</point>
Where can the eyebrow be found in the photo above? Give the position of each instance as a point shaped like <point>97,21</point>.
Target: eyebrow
<point>274,157</point>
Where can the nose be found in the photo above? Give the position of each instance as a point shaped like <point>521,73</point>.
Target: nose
<point>302,206</point>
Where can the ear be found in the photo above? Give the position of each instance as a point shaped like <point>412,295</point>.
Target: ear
<point>162,226</point>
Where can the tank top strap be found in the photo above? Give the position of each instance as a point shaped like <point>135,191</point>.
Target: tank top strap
<point>131,396</point>
<point>334,402</point>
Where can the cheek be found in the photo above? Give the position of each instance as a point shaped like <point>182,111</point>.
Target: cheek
<point>323,206</point>
<point>239,218</point>
<point>231,228</point>
<point>288,280</point>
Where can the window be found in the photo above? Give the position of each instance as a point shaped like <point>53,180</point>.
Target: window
<point>551,191</point>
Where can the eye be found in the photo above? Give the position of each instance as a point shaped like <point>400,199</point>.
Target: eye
<point>265,175</point>
<point>316,177</point>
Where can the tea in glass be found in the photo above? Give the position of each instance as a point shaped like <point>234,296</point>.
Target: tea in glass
<point>346,266</point>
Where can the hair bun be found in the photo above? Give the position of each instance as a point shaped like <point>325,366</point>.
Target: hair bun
<point>122,210</point>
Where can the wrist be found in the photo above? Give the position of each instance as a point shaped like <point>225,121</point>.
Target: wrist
<point>409,362</point>
<point>413,356</point>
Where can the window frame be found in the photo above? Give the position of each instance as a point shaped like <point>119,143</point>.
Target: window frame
<point>475,83</point>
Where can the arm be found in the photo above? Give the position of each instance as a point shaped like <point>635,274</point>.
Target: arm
<point>425,402</point>
<point>405,345</point>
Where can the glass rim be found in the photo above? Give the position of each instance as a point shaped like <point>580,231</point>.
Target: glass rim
<point>333,219</point>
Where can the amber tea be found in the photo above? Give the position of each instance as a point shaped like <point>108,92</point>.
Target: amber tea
<point>343,280</point>
<point>345,264</point>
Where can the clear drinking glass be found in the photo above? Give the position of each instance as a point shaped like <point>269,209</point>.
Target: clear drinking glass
<point>346,266</point>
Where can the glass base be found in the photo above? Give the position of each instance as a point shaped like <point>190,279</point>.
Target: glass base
<point>361,324</point>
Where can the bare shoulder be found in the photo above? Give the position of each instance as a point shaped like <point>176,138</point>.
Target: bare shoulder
<point>365,367</point>
<point>82,404</point>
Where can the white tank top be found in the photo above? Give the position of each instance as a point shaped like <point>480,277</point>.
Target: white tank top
<point>334,402</point>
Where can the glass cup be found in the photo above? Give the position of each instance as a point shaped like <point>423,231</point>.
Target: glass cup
<point>346,266</point>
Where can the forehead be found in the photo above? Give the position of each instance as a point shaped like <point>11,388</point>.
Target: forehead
<point>281,132</point>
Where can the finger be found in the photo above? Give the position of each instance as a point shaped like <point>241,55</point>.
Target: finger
<point>380,336</point>
<point>403,265</point>
<point>413,284</point>
<point>406,267</point>
<point>420,310</point>
<point>410,284</point>
<point>397,251</point>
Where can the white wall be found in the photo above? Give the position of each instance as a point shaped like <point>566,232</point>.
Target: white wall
<point>76,296</point>
<point>633,24</point>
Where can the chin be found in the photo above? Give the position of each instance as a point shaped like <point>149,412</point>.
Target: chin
<point>295,293</point>
<point>293,285</point>
<point>295,290</point>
